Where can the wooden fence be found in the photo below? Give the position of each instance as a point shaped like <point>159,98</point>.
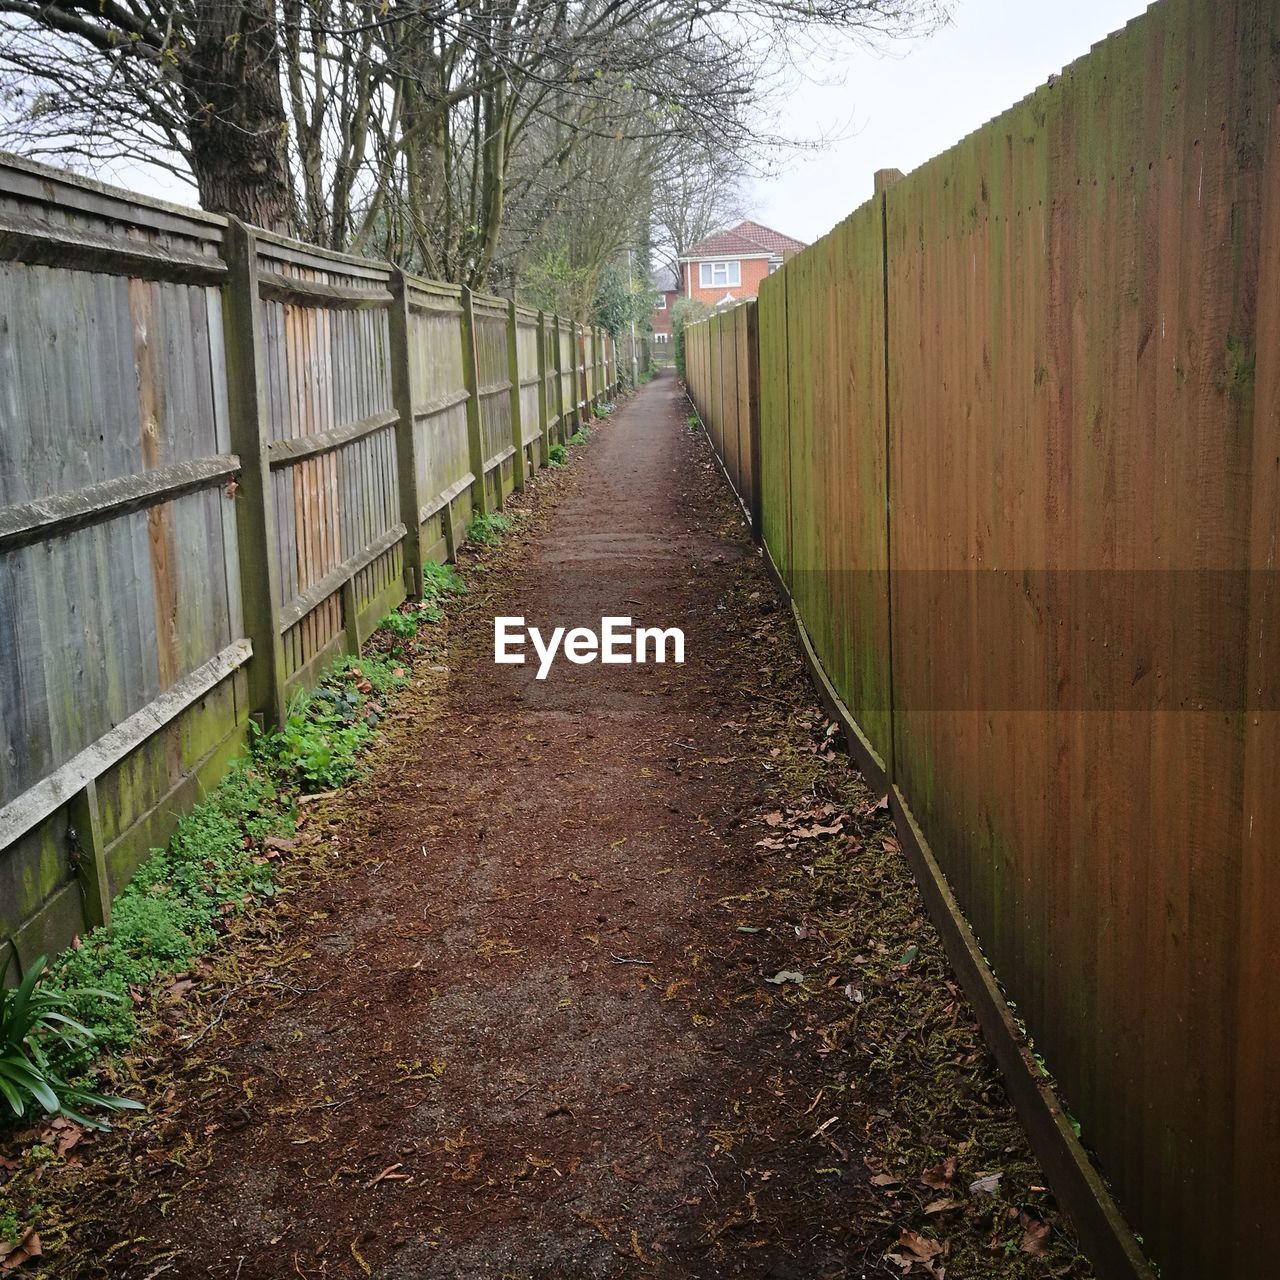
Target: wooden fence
<point>1019,471</point>
<point>224,455</point>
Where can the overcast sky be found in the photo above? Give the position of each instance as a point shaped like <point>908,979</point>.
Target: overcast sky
<point>896,109</point>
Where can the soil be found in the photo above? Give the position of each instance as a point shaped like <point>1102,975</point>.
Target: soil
<point>616,974</point>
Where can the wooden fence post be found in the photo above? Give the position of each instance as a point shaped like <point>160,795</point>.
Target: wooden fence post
<point>471,374</point>
<point>579,374</point>
<point>91,868</point>
<point>753,417</point>
<point>519,467</point>
<point>255,514</point>
<point>559,363</point>
<point>406,431</point>
<point>543,413</point>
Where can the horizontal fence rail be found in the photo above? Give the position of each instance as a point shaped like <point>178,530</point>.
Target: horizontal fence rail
<point>1015,458</point>
<point>224,455</point>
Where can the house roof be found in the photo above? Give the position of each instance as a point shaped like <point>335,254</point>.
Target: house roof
<point>744,240</point>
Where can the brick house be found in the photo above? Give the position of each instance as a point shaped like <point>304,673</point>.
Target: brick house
<point>666,290</point>
<point>728,266</point>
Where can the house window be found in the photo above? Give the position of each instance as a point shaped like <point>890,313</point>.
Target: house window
<point>661,304</point>
<point>711,274</point>
<point>661,338</point>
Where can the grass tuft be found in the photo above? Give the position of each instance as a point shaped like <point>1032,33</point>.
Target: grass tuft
<point>487,531</point>
<point>439,581</point>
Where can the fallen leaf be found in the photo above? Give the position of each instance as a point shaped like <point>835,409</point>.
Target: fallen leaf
<point>813,832</point>
<point>918,1250</point>
<point>942,1205</point>
<point>785,975</point>
<point>63,1134</point>
<point>14,1253</point>
<point>178,989</point>
<point>985,1184</point>
<point>940,1176</point>
<point>1035,1239</point>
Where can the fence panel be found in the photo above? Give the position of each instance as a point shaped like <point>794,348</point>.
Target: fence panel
<point>494,396</point>
<point>204,434</point>
<point>1081,543</point>
<point>838,465</point>
<point>121,635</point>
<point>1077,441</point>
<point>331,446</point>
<point>568,380</point>
<point>775,428</point>
<point>439,395</point>
<point>527,369</point>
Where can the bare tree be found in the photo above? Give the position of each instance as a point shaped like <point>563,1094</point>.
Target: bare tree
<point>445,134</point>
<point>103,78</point>
<point>695,193</point>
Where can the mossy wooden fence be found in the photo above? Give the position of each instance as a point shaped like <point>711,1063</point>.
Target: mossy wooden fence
<point>1019,470</point>
<point>224,455</point>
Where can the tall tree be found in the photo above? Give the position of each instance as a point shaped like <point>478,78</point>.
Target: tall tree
<point>104,78</point>
<point>446,134</point>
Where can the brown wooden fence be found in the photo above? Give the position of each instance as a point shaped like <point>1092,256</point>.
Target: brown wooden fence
<point>224,455</point>
<point>1019,440</point>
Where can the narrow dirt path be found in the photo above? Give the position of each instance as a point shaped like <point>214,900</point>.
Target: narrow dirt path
<point>527,1024</point>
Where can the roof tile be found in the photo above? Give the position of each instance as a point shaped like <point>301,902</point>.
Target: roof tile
<point>746,238</point>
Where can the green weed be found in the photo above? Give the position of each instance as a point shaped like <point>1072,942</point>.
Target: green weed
<point>403,625</point>
<point>172,910</point>
<point>326,727</point>
<point>487,531</point>
<point>581,436</point>
<point>558,456</point>
<point>692,422</point>
<point>440,581</point>
<point>382,676</point>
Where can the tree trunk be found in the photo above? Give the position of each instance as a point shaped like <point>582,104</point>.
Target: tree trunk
<point>238,128</point>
